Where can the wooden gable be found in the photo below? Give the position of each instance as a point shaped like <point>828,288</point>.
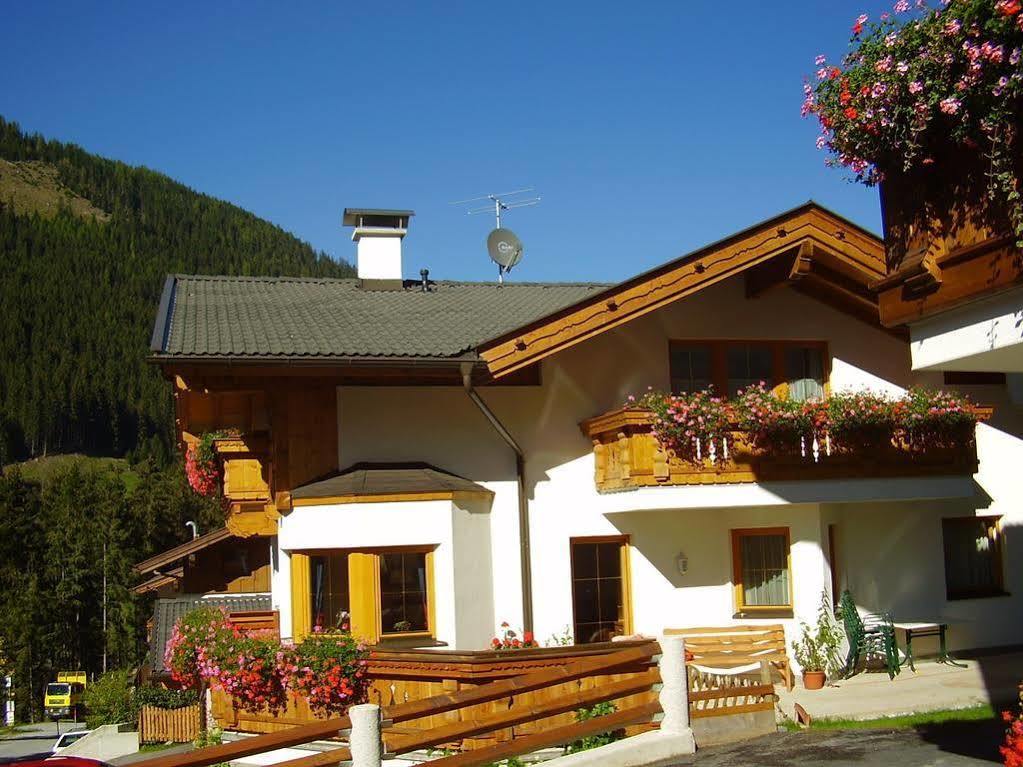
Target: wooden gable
<point>810,248</point>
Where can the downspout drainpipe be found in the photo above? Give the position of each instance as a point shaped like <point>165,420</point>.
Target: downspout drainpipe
<point>525,561</point>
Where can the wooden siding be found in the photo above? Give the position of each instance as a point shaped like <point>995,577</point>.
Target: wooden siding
<point>234,566</point>
<point>627,455</point>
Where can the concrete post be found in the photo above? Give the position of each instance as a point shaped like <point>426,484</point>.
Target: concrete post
<point>674,695</point>
<point>365,740</point>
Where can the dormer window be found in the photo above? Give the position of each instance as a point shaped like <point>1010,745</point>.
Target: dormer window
<point>797,369</point>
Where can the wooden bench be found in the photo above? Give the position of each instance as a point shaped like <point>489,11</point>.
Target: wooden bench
<point>732,646</point>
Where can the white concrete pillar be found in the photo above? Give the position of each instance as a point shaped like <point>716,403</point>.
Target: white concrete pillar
<point>674,694</point>
<point>365,740</point>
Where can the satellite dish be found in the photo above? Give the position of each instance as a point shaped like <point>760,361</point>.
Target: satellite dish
<point>505,248</point>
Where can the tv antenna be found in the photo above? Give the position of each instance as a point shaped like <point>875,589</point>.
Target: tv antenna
<point>504,247</point>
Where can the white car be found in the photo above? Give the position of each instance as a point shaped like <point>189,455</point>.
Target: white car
<point>67,739</point>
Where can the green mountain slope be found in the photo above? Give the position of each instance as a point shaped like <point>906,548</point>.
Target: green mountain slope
<point>85,244</point>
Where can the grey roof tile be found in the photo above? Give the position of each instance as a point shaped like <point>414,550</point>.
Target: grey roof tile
<point>281,317</point>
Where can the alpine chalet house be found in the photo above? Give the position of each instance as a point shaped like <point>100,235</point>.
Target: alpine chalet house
<point>428,458</point>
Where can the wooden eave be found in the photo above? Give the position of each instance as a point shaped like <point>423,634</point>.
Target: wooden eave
<point>159,580</point>
<point>440,495</point>
<point>172,556</point>
<point>844,258</point>
<point>932,280</point>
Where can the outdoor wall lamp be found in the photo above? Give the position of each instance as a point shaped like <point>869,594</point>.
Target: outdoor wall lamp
<point>682,562</point>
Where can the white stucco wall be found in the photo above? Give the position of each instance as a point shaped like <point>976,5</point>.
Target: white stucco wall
<point>439,425</point>
<point>983,335</point>
<point>459,533</point>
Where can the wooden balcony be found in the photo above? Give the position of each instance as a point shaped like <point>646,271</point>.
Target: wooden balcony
<point>247,483</point>
<point>626,456</point>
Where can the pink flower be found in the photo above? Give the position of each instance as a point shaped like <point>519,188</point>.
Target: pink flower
<point>901,7</point>
<point>950,105</point>
<point>819,60</point>
<point>916,86</point>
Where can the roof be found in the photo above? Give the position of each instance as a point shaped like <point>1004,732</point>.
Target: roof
<point>363,480</point>
<point>321,321</point>
<point>289,318</point>
<point>171,556</point>
<point>168,611</point>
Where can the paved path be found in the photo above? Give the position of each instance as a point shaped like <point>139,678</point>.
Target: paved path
<point>967,744</point>
<point>33,740</point>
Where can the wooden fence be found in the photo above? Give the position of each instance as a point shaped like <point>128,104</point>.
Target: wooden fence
<point>401,736</point>
<point>162,725</point>
<point>399,677</point>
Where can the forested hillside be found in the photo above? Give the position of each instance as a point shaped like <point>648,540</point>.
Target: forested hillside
<point>85,244</point>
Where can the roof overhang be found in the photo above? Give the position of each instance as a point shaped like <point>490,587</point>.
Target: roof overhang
<point>818,252</point>
<point>156,564</point>
<point>388,483</point>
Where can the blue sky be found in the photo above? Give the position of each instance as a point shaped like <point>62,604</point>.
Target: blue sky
<point>648,128</point>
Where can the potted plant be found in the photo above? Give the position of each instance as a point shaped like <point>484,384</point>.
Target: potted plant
<point>927,103</point>
<point>816,650</point>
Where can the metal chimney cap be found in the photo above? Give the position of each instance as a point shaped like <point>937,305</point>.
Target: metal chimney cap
<point>351,216</point>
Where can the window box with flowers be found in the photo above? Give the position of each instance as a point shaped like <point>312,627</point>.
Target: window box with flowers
<point>927,103</point>
<point>700,438</point>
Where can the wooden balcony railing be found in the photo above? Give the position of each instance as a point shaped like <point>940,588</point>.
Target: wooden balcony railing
<point>626,456</point>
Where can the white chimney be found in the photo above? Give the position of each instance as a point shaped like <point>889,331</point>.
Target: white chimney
<point>377,236</point>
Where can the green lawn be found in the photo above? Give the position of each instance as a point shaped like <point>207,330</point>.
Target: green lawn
<point>42,469</point>
<point>146,748</point>
<point>975,714</point>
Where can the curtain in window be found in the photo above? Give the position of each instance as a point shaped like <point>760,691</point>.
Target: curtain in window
<point>971,558</point>
<point>765,574</point>
<point>804,368</point>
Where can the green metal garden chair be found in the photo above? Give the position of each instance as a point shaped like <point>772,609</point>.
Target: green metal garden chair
<point>868,635</point>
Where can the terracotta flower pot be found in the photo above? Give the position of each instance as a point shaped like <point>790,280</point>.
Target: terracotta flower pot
<point>814,680</point>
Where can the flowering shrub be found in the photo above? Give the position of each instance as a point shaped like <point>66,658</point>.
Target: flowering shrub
<point>196,639</point>
<point>329,670</point>
<point>1012,749</point>
<point>771,421</point>
<point>861,419</point>
<point>688,425</point>
<point>916,81</point>
<point>201,465</point>
<point>510,640</point>
<point>936,418</point>
<point>259,672</point>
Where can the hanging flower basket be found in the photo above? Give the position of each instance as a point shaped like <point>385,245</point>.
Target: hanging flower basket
<point>202,465</point>
<point>929,101</point>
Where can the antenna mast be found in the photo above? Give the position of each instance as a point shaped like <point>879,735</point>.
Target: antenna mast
<point>498,203</point>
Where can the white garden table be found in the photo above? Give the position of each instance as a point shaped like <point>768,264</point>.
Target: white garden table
<point>926,629</point>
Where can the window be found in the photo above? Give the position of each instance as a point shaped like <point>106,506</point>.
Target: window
<point>804,372</point>
<point>973,557</point>
<point>748,365</point>
<point>375,594</point>
<point>403,592</point>
<point>973,378</point>
<point>762,570</point>
<point>600,589</point>
<point>690,368</point>
<point>329,590</point>
<point>795,368</point>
